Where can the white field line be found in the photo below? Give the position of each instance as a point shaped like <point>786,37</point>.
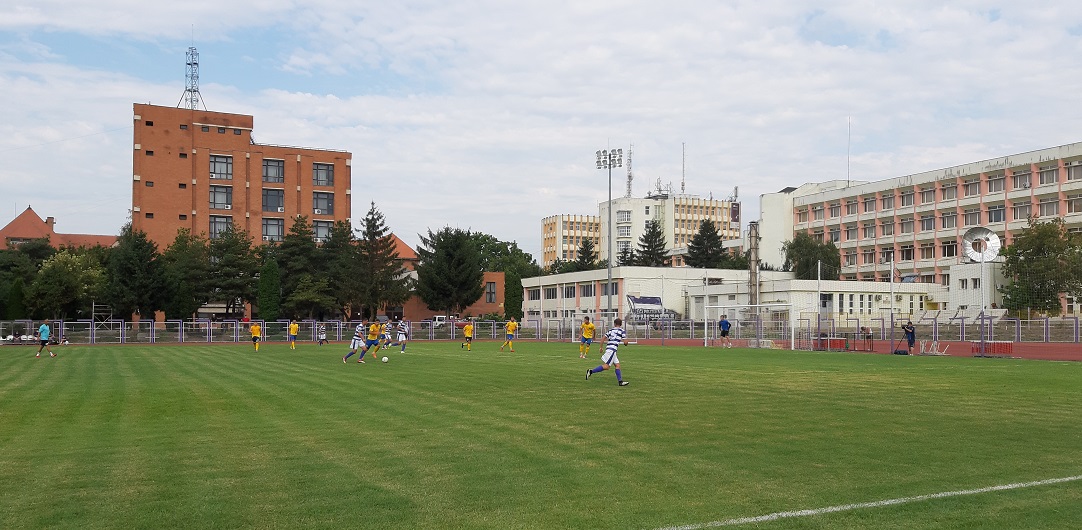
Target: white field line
<point>876,504</point>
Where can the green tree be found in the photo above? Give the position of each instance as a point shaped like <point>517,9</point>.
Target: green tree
<point>186,272</point>
<point>388,285</point>
<point>340,255</point>
<point>66,286</point>
<point>627,258</point>
<point>297,254</point>
<point>508,258</point>
<point>233,269</point>
<point>16,301</point>
<point>652,248</point>
<point>560,266</point>
<point>311,298</point>
<point>705,250</point>
<point>134,275</point>
<point>1041,263</point>
<point>803,255</point>
<point>586,260</point>
<point>449,275</point>
<point>269,298</point>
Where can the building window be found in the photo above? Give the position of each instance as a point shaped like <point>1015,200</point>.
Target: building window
<point>237,132</point>
<point>802,216</point>
<point>835,210</point>
<point>274,200</point>
<point>1020,181</point>
<point>322,203</point>
<point>997,214</point>
<point>949,220</point>
<point>963,283</point>
<point>950,249</point>
<point>927,196</point>
<point>622,246</point>
<point>850,233</point>
<point>817,213</point>
<point>149,153</point>
<point>927,222</point>
<point>1049,176</point>
<point>869,231</point>
<point>973,188</point>
<point>906,226</point>
<point>569,291</point>
<point>605,287</point>
<point>1049,207</point>
<point>886,255</point>
<point>818,236</point>
<point>550,293</point>
<point>907,198</point>
<point>490,292</point>
<point>907,252</point>
<point>945,280</point>
<point>1022,210</point>
<point>221,130</point>
<point>184,155</point>
<point>1074,172</point>
<point>322,174</point>
<point>623,231</point>
<point>623,216</point>
<point>972,218</point>
<point>927,251</point>
<point>868,256</point>
<point>184,126</point>
<point>586,289</point>
<point>221,167</point>
<point>1074,204</point>
<point>149,183</point>
<point>221,197</point>
<point>835,235</point>
<point>950,192</point>
<point>647,210</point>
<point>321,230</point>
<point>850,258</point>
<point>996,184</point>
<point>183,217</point>
<point>869,204</point>
<point>886,228</point>
<point>219,224</point>
<point>851,208</point>
<point>274,229</point>
<point>533,294</point>
<point>274,170</point>
<point>887,203</point>
<point>204,128</point>
<point>150,215</point>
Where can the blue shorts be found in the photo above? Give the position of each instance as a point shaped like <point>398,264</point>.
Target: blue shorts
<point>292,338</point>
<point>370,342</point>
<point>587,341</point>
<point>510,336</point>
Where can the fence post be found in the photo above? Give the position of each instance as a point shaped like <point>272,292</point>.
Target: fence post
<point>1047,329</point>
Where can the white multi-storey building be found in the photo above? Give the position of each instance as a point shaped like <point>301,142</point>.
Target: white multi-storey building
<point>561,236</point>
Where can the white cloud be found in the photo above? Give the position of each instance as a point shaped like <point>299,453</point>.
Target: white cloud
<point>487,114</point>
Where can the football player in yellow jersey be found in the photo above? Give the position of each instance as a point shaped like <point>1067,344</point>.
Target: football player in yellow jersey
<point>375,329</point>
<point>467,333</point>
<point>294,327</point>
<point>587,333</point>
<point>511,327</point>
<point>257,333</point>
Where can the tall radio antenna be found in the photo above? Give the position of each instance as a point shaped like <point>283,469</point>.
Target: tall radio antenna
<point>683,164</point>
<point>191,98</point>
<point>629,176</point>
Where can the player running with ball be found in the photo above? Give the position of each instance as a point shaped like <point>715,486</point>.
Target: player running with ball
<point>613,339</point>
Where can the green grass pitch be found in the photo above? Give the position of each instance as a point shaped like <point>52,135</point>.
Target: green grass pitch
<point>217,436</point>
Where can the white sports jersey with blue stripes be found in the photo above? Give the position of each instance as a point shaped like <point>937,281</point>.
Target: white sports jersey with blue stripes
<point>613,339</point>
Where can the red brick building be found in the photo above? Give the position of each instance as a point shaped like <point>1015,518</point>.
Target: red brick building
<point>491,300</point>
<point>202,171</point>
<point>28,226</point>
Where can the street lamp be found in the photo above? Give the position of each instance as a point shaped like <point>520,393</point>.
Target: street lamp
<point>608,159</point>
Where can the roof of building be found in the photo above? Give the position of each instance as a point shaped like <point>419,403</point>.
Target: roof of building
<point>404,251</point>
<point>29,225</point>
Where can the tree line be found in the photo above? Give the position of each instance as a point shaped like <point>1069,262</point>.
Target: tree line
<point>352,274</point>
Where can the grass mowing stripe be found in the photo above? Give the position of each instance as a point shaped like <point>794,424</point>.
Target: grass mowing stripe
<point>874,504</point>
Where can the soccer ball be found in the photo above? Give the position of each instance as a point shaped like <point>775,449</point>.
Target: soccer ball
<point>384,359</point>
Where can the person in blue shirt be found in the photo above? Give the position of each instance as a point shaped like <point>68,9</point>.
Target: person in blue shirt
<point>724,326</point>
<point>613,339</point>
<point>43,336</point>
<point>910,335</point>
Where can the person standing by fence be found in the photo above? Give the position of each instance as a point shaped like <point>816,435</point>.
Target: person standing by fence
<point>910,335</point>
<point>723,331</point>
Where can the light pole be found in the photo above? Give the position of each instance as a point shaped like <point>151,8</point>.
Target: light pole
<point>608,159</point>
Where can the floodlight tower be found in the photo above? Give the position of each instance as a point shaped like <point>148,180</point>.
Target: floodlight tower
<point>608,159</point>
<point>191,98</point>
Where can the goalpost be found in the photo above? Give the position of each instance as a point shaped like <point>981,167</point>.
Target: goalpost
<point>761,325</point>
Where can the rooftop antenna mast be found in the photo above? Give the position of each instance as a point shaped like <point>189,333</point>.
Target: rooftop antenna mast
<point>191,98</point>
<point>629,177</point>
<point>683,164</point>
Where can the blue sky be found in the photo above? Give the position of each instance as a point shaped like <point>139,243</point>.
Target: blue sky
<point>486,115</point>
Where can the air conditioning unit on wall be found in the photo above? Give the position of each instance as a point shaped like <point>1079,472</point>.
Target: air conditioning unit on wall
<point>228,207</point>
<point>317,211</point>
<point>281,209</point>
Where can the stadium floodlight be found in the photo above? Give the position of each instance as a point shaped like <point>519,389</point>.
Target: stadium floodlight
<point>608,159</point>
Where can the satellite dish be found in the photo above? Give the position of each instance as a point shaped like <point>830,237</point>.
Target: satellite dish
<point>981,244</point>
